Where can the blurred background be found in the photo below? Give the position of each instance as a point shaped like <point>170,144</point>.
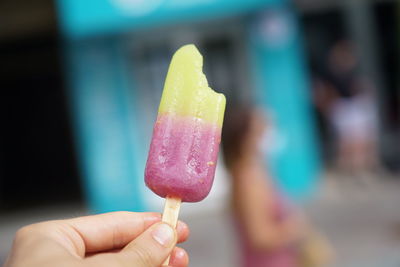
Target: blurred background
<point>81,82</point>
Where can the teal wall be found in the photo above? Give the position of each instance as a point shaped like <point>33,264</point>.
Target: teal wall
<point>105,122</point>
<point>280,77</point>
<point>104,100</point>
<point>83,18</point>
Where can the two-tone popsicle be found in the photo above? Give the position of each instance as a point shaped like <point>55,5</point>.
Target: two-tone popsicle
<point>186,136</point>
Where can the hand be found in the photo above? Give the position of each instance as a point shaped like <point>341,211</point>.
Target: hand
<point>118,239</point>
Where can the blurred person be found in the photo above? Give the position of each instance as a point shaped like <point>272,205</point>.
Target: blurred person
<point>111,239</point>
<point>272,233</point>
<point>323,98</point>
<point>352,113</point>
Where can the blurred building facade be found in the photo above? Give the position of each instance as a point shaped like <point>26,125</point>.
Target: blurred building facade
<point>117,54</point>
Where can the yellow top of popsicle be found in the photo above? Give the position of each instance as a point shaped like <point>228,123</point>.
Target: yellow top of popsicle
<point>186,91</point>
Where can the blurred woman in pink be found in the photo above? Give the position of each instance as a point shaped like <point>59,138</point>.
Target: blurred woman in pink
<point>269,230</point>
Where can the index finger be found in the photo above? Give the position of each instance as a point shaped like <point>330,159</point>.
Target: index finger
<point>114,230</point>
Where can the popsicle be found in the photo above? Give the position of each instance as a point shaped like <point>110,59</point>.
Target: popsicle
<point>186,135</point>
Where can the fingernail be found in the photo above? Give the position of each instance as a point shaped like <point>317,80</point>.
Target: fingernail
<point>180,253</point>
<point>164,235</point>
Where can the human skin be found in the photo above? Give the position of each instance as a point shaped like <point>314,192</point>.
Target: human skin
<point>119,239</point>
<point>254,196</point>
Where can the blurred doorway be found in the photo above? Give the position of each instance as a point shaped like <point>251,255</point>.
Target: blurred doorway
<point>224,57</point>
<point>333,24</point>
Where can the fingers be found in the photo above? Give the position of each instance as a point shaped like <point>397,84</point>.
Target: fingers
<point>116,229</point>
<point>151,245</point>
<point>111,230</point>
<point>151,248</point>
<point>179,258</point>
<point>183,231</point>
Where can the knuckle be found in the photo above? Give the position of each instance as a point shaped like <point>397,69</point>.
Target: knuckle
<point>143,256</point>
<point>23,233</point>
<point>31,231</point>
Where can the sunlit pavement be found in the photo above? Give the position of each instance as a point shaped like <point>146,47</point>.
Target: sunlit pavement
<point>362,220</point>
<point>361,217</point>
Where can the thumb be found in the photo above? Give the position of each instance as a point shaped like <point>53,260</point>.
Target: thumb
<point>151,248</point>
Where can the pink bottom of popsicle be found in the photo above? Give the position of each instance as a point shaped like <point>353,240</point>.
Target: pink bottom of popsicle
<point>182,158</point>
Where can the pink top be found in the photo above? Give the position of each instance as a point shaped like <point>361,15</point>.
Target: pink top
<point>284,257</point>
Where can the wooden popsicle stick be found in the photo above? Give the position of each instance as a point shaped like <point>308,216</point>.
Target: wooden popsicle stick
<point>170,214</point>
